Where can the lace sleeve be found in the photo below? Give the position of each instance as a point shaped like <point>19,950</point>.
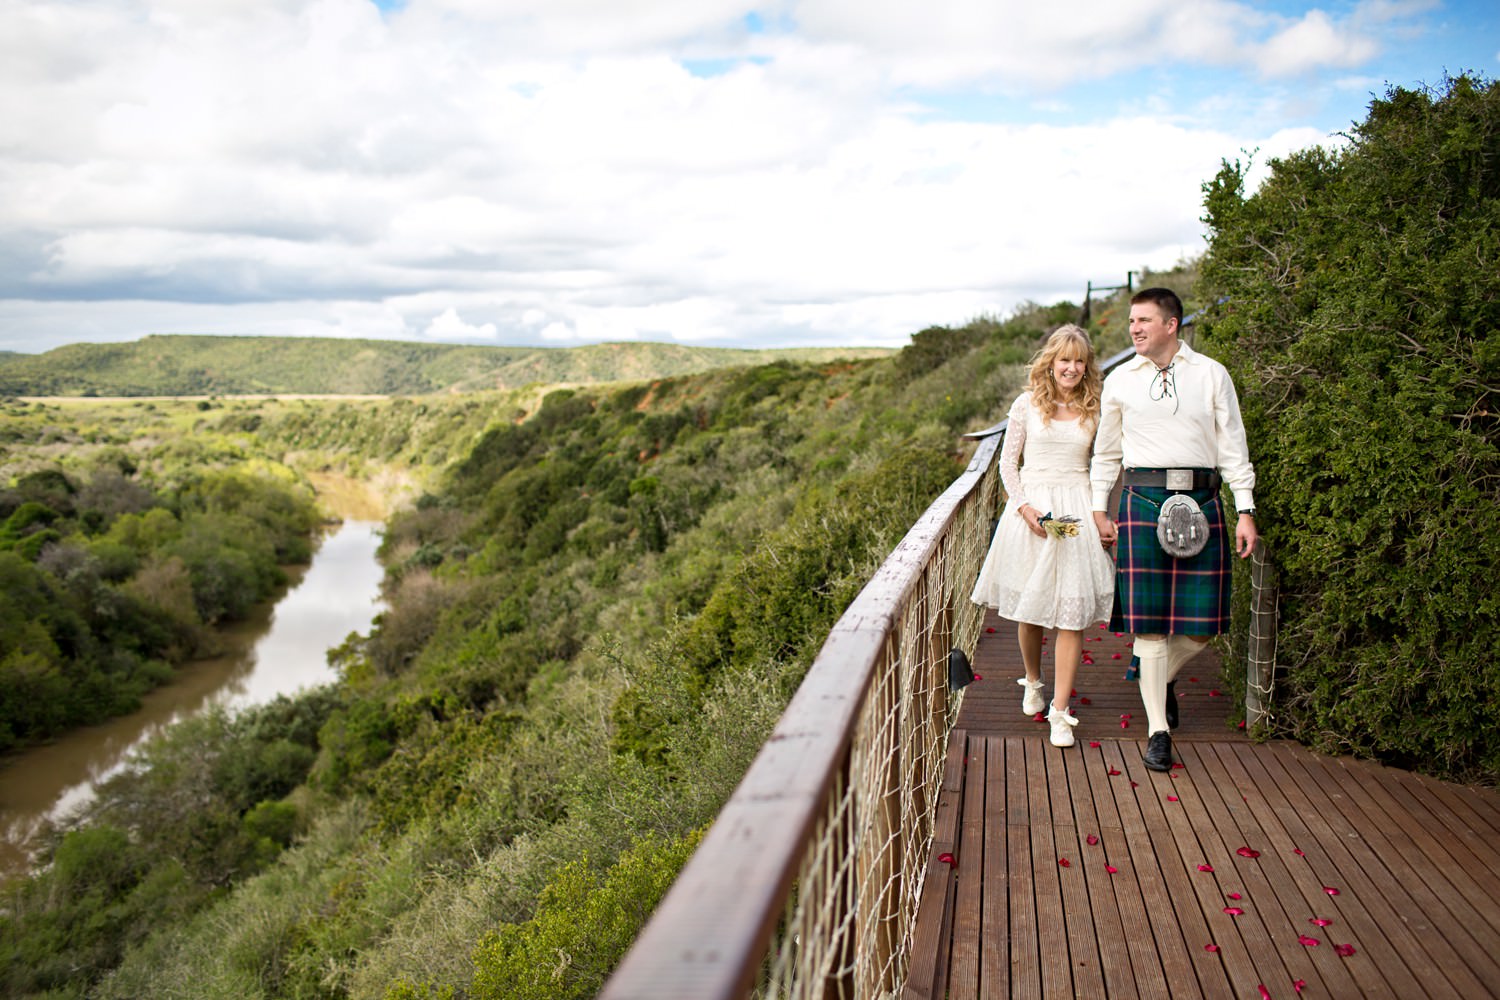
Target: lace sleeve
<point>1012,449</point>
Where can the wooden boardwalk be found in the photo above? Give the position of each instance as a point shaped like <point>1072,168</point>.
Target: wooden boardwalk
<point>1250,870</point>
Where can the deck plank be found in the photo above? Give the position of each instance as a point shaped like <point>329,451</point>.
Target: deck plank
<point>968,909</point>
<point>1023,941</point>
<point>994,954</point>
<point>1415,861</point>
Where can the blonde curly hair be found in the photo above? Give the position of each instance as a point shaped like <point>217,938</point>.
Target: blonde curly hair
<point>1070,342</point>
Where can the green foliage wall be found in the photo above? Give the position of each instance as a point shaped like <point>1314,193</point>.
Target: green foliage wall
<point>1362,323</point>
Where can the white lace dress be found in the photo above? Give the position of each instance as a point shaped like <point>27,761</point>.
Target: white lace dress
<point>1066,583</point>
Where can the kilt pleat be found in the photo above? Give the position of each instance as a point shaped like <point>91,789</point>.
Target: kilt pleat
<point>1157,593</point>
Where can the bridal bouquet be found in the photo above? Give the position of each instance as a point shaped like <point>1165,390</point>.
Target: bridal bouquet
<point>1060,527</point>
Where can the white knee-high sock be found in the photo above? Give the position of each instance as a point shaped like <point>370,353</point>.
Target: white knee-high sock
<point>1180,649</point>
<point>1155,665</point>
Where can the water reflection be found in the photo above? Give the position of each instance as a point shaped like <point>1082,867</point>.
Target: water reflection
<point>282,649</point>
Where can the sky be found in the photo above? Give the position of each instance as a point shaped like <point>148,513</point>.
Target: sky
<point>718,173</point>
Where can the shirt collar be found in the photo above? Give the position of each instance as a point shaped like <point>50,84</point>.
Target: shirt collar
<point>1185,355</point>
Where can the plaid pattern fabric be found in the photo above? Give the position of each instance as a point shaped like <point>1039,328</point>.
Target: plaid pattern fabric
<point>1155,593</point>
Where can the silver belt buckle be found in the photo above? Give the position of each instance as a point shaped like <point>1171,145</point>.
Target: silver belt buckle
<point>1179,479</point>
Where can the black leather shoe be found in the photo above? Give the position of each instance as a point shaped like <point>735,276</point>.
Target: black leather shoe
<point>1159,751</point>
<point>1171,704</point>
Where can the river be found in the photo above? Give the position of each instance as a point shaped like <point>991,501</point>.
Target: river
<point>281,649</point>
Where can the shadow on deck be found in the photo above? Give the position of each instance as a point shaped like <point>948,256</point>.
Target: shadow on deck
<point>1250,870</point>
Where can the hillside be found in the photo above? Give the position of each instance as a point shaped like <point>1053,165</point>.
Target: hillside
<point>200,365</point>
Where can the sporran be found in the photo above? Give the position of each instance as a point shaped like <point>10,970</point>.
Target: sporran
<point>1181,526</point>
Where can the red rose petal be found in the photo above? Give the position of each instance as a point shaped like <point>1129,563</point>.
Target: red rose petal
<point>989,630</point>
<point>1232,895</point>
<point>1210,947</point>
<point>1344,949</point>
<point>1125,715</point>
<point>1111,869</point>
<point>1234,911</point>
<point>1085,701</point>
<point>1135,784</point>
<point>979,677</point>
<point>1330,890</point>
<point>1216,693</point>
<point>1319,921</point>
<point>945,856</point>
<point>1173,798</point>
<point>1298,851</point>
<point>1310,942</point>
<point>1115,656</point>
<point>1246,852</point>
<point>1265,994</point>
<point>1039,717</point>
<point>1205,868</point>
<point>1094,744</point>
<point>1091,840</point>
<point>1113,771</point>
<point>1064,862</point>
<point>1298,984</point>
<point>1124,724</point>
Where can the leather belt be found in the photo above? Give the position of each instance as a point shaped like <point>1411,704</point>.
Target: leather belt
<point>1174,479</point>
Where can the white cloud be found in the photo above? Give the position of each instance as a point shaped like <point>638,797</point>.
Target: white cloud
<point>447,325</point>
<point>583,170</point>
<point>1311,43</point>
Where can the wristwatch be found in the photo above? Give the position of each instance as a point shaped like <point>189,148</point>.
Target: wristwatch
<point>1247,510</point>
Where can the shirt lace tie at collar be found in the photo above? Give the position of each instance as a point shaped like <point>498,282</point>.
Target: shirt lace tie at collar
<point>1164,384</point>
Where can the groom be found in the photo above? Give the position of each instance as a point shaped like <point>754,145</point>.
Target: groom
<point>1171,418</point>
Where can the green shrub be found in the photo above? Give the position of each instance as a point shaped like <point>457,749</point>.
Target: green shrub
<point>583,926</point>
<point>1362,324</point>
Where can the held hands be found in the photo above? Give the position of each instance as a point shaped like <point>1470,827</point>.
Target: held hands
<point>1108,531</point>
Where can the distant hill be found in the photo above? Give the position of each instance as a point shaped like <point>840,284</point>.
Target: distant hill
<point>196,365</point>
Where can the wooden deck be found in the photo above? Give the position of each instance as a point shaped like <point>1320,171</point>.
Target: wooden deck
<point>1250,870</point>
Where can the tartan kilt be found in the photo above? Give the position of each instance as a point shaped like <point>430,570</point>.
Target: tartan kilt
<point>1156,593</point>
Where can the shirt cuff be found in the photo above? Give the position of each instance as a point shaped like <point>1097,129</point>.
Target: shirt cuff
<point>1244,500</point>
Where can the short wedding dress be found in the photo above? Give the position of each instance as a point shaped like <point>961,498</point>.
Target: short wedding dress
<point>1068,582</point>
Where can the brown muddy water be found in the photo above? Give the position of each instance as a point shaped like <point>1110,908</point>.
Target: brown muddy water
<point>282,649</point>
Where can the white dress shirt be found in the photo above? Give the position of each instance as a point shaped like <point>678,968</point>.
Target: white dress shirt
<point>1186,418</point>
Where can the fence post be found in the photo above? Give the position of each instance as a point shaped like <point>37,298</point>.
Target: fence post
<point>1260,651</point>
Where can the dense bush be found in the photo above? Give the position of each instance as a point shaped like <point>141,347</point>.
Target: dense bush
<point>583,925</point>
<point>1362,323</point>
<point>108,582</point>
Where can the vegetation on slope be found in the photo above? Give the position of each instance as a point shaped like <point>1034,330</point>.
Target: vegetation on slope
<point>189,365</point>
<point>1362,321</point>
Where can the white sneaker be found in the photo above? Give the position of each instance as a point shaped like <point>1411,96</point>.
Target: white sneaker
<point>1062,727</point>
<point>1033,702</point>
